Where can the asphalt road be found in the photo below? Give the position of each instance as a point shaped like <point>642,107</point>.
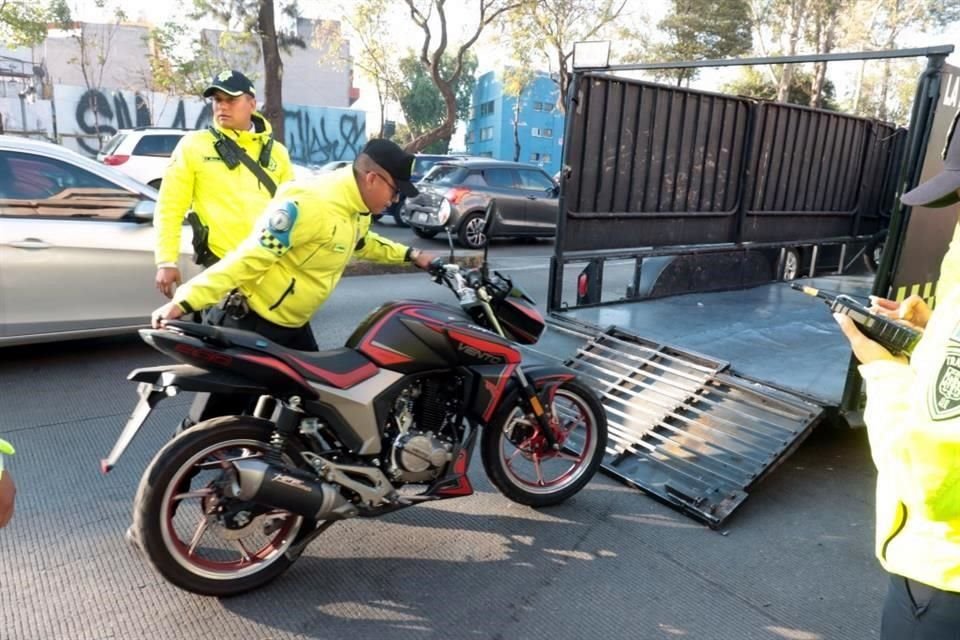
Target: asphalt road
<point>794,564</point>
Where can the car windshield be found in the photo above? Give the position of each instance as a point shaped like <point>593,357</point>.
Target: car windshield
<point>445,174</point>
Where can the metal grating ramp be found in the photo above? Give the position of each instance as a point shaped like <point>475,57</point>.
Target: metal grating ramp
<point>682,427</point>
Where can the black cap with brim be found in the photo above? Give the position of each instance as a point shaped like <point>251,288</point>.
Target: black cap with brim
<point>941,189</point>
<point>938,191</point>
<point>395,161</point>
<point>406,188</point>
<point>233,83</point>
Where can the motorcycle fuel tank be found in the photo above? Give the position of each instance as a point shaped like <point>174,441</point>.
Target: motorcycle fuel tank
<point>411,336</point>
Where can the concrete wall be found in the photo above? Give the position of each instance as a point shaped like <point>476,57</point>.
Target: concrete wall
<point>313,76</point>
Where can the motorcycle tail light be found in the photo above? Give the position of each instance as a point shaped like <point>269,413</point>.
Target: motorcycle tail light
<point>457,194</point>
<point>115,160</point>
<point>582,285</point>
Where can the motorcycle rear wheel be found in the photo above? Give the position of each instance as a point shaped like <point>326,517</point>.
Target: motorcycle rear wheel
<point>193,535</point>
<point>521,464</point>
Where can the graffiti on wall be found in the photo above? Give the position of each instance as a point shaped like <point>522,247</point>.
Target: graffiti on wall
<point>314,135</point>
<point>92,113</point>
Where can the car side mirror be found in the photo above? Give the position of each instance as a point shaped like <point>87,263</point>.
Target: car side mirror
<point>143,211</point>
<point>554,191</point>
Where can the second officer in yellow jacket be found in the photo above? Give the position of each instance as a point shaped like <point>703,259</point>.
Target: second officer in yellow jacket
<point>205,177</point>
<point>301,245</point>
<point>913,421</point>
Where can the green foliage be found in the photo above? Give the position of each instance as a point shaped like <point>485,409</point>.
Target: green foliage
<point>423,106</point>
<point>243,17</point>
<point>182,63</point>
<point>753,84</point>
<point>24,22</point>
<point>540,34</point>
<point>702,30</point>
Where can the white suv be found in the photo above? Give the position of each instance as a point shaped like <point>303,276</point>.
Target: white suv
<point>142,153</point>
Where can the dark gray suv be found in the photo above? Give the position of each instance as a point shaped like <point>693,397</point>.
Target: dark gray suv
<point>526,200</point>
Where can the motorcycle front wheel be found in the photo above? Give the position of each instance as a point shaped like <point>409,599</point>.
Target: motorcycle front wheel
<point>522,465</point>
<point>192,533</point>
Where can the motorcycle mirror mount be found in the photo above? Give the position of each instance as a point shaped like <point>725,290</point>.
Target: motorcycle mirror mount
<point>488,217</point>
<point>443,216</point>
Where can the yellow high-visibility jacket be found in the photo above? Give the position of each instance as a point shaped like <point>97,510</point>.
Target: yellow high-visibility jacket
<point>913,421</point>
<point>950,267</point>
<point>297,252</point>
<point>228,201</point>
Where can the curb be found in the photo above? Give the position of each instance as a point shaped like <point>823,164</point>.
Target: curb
<point>467,259</point>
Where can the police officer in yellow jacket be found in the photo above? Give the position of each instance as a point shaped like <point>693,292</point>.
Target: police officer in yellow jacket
<point>298,250</point>
<point>913,420</point>
<point>208,174</point>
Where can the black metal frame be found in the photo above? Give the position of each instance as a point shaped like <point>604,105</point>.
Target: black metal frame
<point>913,147</point>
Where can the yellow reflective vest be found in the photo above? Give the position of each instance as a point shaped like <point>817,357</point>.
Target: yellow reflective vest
<point>950,267</point>
<point>293,259</point>
<point>228,201</point>
<point>913,421</point>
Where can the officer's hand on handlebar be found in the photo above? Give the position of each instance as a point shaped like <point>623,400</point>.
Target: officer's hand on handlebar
<point>434,266</point>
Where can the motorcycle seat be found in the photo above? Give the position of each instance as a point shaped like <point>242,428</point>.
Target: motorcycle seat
<point>341,368</point>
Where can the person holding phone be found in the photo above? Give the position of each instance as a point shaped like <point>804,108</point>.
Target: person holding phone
<point>913,422</point>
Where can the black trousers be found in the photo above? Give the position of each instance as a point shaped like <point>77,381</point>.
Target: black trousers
<point>915,611</point>
<point>211,405</point>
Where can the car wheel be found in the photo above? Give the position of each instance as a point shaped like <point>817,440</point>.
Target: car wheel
<point>791,265</point>
<point>874,252</point>
<point>470,234</point>
<point>424,233</point>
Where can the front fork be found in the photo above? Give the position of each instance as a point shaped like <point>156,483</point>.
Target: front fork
<point>529,392</point>
<point>536,406</point>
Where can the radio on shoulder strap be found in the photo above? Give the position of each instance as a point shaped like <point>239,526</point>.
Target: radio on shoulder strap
<point>232,155</point>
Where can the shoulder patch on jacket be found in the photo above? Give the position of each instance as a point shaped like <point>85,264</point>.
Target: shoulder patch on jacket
<point>943,396</point>
<point>277,227</point>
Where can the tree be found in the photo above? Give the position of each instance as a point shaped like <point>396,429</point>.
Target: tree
<point>430,17</point>
<point>701,30</point>
<point>256,17</point>
<point>95,46</point>
<point>754,84</point>
<point>181,63</point>
<point>546,30</point>
<point>423,106</point>
<point>24,23</point>
<point>368,22</point>
<point>515,81</point>
<point>822,33</point>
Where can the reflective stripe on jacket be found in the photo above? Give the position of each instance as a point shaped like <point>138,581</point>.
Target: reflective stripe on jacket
<point>297,252</point>
<point>913,420</point>
<point>228,201</point>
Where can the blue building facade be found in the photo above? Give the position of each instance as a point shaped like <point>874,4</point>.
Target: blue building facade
<point>540,124</point>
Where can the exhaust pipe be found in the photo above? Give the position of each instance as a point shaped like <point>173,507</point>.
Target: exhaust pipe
<point>289,489</point>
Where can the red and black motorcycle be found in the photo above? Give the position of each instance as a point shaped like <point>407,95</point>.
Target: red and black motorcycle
<point>386,422</point>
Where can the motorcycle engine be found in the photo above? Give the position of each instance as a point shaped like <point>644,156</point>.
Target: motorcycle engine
<point>421,431</point>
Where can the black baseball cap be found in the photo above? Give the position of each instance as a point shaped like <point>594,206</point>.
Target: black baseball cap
<point>941,189</point>
<point>395,161</point>
<point>232,83</point>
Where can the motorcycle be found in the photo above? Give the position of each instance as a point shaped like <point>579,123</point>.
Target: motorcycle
<point>387,422</point>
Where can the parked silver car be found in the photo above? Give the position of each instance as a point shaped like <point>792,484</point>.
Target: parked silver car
<point>76,246</point>
<point>526,200</point>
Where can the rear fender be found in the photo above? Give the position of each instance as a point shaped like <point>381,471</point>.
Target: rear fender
<point>186,377</point>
